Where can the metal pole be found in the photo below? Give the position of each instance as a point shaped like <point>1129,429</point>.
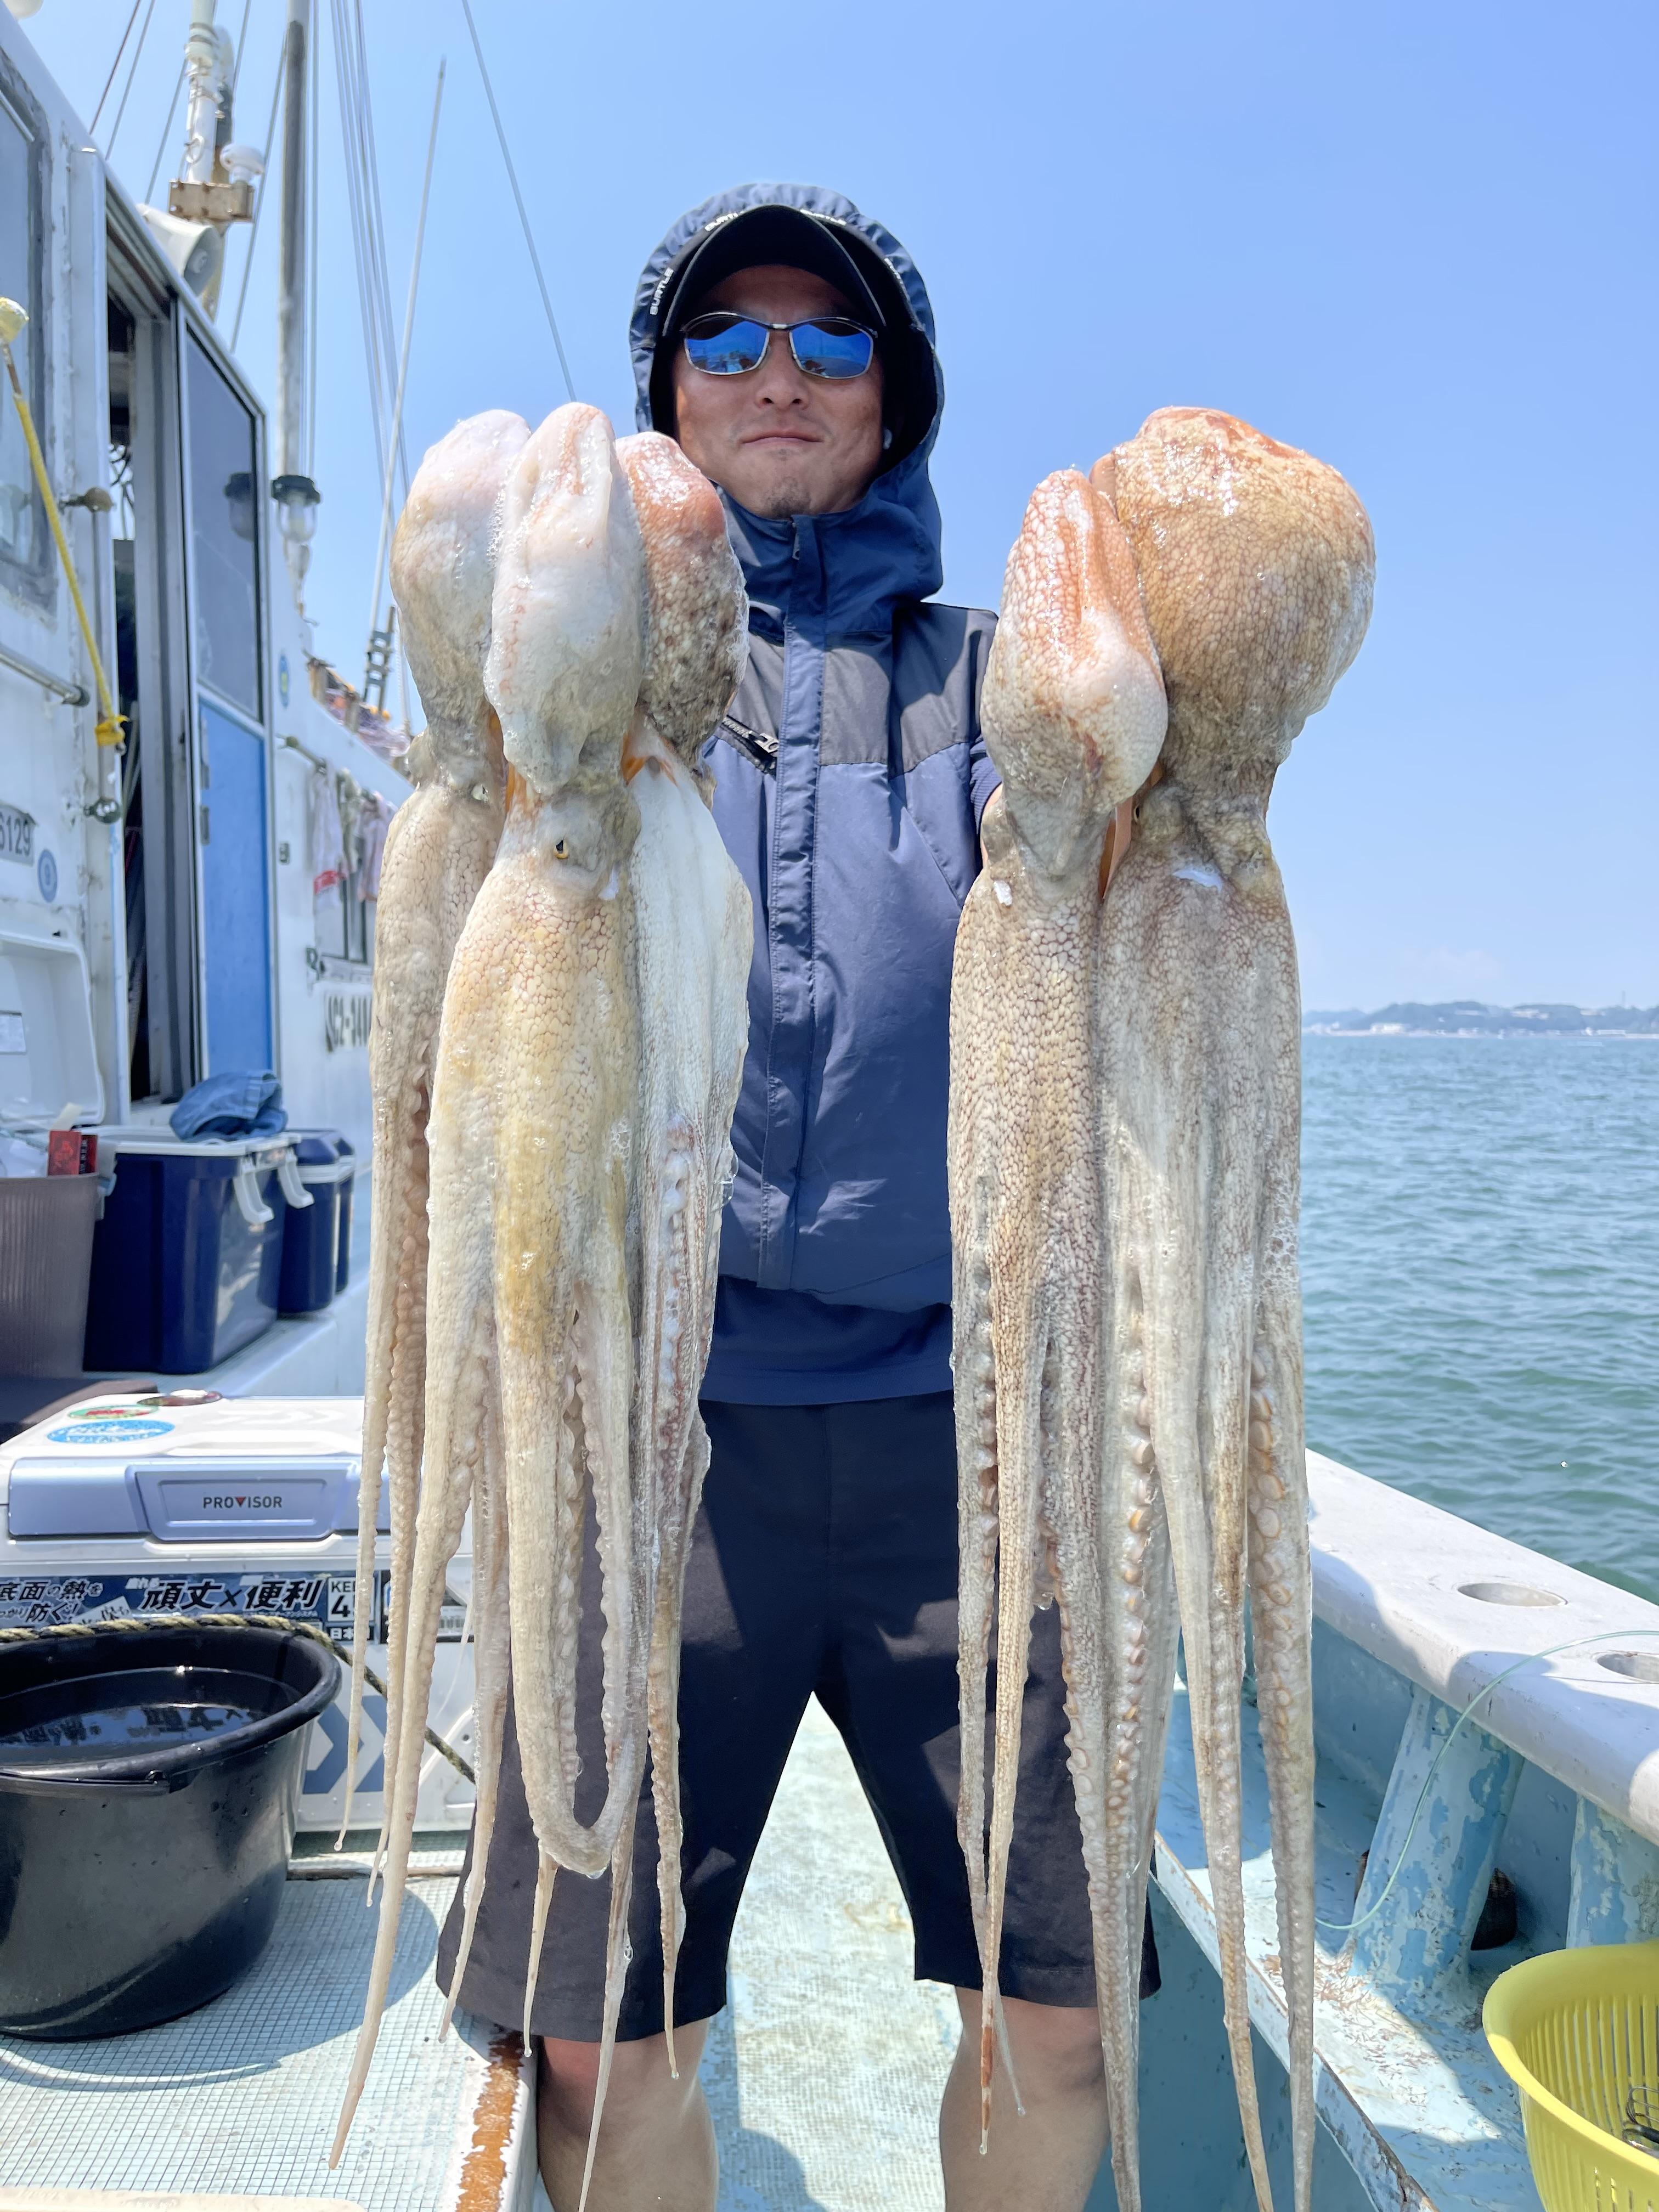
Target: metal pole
<point>291,300</point>
<point>295,494</point>
<point>202,107</point>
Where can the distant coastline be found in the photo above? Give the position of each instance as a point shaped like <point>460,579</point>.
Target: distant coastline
<point>1469,1018</point>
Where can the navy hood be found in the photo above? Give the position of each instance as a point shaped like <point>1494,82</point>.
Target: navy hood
<point>886,550</point>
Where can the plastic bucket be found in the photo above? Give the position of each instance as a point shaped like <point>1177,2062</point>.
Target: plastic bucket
<point>1577,2033</point>
<point>149,1782</point>
<point>46,1265</point>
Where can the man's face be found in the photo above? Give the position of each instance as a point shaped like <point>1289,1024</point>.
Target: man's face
<point>779,442</point>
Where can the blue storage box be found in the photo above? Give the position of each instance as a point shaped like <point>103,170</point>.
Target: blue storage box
<point>186,1262</point>
<point>317,1239</point>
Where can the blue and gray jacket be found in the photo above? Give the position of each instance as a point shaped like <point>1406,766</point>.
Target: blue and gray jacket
<point>850,777</point>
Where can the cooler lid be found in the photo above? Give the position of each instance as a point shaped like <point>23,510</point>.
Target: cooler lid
<point>156,1138</point>
<point>317,1148</point>
<point>47,1057</point>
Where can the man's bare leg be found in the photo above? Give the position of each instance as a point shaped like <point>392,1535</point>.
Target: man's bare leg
<point>656,2139</point>
<point>1047,2160</point>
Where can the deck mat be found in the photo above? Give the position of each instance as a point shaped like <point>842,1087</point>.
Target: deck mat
<point>242,2095</point>
<point>824,2074</point>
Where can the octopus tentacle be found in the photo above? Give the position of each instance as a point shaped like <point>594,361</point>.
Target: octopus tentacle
<point>593,1039</point>
<point>458,1390</point>
<point>1281,1604</point>
<point>1193,1361</point>
<point>439,848</point>
<point>977,1524</point>
<point>1256,563</point>
<point>487,1612</point>
<point>1023,1364</point>
<point>1073,714</point>
<point>617,1955</point>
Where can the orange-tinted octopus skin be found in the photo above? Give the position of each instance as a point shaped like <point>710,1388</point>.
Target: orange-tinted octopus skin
<point>437,851</point>
<point>1256,565</point>
<point>1124,1097</point>
<point>1073,714</point>
<point>592,1037</point>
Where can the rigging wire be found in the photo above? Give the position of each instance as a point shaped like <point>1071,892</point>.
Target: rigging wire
<point>354,206</point>
<point>92,128</point>
<point>260,203</point>
<point>236,57</point>
<point>378,234</point>
<point>373,289</point>
<point>126,89</point>
<point>403,363</point>
<point>513,180</point>
<point>166,133</point>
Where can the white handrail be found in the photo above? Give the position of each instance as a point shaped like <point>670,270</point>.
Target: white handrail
<point>1452,1607</point>
<point>72,694</point>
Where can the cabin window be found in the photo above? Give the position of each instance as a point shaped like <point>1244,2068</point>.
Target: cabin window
<point>345,882</point>
<point>26,554</point>
<point>224,516</point>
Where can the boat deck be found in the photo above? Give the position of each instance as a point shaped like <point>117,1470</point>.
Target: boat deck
<point>239,2098</point>
<point>824,2074</point>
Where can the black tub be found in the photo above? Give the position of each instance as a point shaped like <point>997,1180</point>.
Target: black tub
<point>148,1788</point>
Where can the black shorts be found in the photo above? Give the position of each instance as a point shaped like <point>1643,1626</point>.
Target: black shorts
<point>824,1563</point>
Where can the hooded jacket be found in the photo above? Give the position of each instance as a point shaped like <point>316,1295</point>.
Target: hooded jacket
<point>850,777</point>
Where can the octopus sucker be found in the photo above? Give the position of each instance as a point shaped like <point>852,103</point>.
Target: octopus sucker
<point>1256,563</point>
<point>592,1041</point>
<point>438,851</point>
<point>1074,715</point>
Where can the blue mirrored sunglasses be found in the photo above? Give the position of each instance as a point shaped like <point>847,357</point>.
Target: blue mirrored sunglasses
<point>731,345</point>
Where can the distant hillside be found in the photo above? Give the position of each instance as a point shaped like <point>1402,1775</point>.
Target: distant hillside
<point>1469,1018</point>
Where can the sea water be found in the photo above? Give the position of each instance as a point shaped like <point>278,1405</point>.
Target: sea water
<point>1481,1280</point>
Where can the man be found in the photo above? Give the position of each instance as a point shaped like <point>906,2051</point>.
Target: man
<point>787,341</point>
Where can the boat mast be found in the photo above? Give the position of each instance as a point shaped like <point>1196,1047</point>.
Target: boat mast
<point>295,495</point>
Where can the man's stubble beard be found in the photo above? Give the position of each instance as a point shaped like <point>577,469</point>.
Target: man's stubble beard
<point>789,495</point>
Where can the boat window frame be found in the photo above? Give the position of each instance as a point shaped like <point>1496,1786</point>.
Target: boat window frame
<point>35,582</point>
<point>202,691</point>
<point>258,716</point>
<point>171,893</point>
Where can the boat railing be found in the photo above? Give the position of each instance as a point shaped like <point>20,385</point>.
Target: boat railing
<point>1488,1735</point>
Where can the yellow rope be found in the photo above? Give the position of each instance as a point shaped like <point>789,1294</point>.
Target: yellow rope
<point>13,319</point>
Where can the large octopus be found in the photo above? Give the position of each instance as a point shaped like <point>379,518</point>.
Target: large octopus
<point>1125,1114</point>
<point>593,1039</point>
<point>437,851</point>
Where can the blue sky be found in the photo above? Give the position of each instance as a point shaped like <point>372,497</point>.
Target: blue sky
<point>1417,239</point>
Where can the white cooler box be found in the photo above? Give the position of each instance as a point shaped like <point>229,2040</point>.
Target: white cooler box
<point>198,1504</point>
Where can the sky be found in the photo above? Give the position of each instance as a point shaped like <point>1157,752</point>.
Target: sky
<point>1416,240</point>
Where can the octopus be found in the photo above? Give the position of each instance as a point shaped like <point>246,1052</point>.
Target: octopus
<point>1124,1138</point>
<point>593,1035</point>
<point>437,851</point>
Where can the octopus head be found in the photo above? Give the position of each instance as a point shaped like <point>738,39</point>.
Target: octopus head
<point>567,618</point>
<point>696,614</point>
<point>1256,565</point>
<point>1073,708</point>
<point>442,578</point>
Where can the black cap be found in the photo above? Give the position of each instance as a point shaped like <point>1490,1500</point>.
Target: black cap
<point>794,238</point>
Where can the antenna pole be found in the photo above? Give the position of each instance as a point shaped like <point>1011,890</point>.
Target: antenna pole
<point>292,489</point>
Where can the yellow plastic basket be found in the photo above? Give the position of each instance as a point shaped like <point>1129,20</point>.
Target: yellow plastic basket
<point>1577,2033</point>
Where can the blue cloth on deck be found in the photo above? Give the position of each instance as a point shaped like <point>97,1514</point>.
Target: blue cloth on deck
<point>241,1104</point>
